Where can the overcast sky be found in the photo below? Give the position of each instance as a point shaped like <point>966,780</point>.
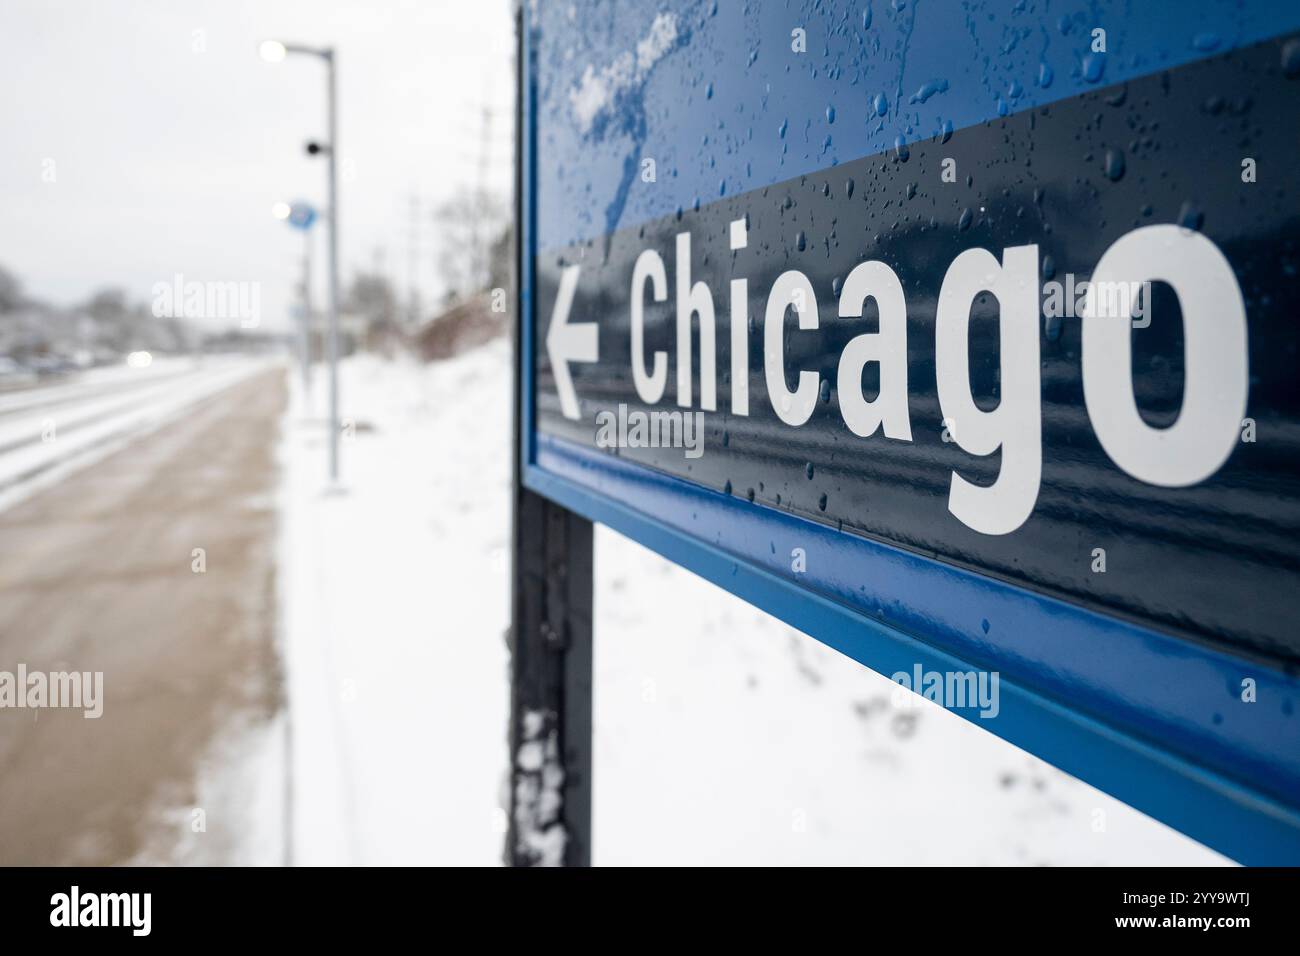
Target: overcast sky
<point>169,139</point>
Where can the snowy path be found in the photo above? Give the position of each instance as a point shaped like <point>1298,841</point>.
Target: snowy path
<point>394,596</point>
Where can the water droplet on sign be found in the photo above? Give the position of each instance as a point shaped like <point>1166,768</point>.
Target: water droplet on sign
<point>1291,59</point>
<point>1052,327</point>
<point>1114,165</point>
<point>1094,65</point>
<point>1206,42</point>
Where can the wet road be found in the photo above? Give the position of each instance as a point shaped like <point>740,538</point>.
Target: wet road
<point>100,572</point>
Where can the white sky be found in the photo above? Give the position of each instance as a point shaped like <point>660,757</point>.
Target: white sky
<point>168,158</point>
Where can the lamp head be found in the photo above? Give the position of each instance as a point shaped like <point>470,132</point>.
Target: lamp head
<point>272,51</point>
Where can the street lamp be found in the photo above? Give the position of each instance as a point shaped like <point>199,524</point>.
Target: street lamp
<point>273,51</point>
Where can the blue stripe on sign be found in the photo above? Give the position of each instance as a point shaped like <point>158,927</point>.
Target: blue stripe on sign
<point>715,95</point>
<point>1149,719</point>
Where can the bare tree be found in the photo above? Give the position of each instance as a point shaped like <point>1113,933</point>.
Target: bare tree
<point>468,225</point>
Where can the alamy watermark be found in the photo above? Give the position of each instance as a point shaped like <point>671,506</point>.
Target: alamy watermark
<point>1112,300</point>
<point>180,299</point>
<point>83,690</point>
<point>949,689</point>
<point>133,911</point>
<point>637,429</point>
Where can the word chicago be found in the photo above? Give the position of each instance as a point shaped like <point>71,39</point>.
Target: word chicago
<point>1185,453</point>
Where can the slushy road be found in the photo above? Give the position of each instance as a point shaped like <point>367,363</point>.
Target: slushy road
<point>99,572</point>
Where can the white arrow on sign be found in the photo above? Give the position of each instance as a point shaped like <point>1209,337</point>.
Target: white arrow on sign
<point>567,343</point>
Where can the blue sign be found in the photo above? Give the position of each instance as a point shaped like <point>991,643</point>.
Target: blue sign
<point>960,336</point>
<point>302,215</point>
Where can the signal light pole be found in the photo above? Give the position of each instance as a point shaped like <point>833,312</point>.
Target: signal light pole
<point>273,51</point>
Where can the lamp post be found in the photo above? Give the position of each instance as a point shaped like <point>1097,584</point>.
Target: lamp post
<point>273,51</point>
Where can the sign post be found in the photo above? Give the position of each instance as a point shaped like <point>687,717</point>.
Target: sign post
<point>971,356</point>
<point>550,640</point>
<point>550,701</point>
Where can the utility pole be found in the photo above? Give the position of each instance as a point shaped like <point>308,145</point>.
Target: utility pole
<point>302,216</point>
<point>413,261</point>
<point>305,326</point>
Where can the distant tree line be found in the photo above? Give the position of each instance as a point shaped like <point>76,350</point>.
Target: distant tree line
<point>103,328</point>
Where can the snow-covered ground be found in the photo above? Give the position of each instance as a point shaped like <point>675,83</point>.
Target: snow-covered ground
<point>722,736</point>
<point>395,603</point>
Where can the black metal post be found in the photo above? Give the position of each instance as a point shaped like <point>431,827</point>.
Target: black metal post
<point>550,637</point>
<point>550,719</point>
